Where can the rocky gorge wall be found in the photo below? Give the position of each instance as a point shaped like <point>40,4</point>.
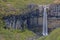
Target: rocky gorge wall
<point>34,20</point>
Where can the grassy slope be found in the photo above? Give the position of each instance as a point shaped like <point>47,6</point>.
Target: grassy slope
<point>42,38</point>
<point>22,3</point>
<point>55,35</point>
<point>15,34</point>
<point>19,5</point>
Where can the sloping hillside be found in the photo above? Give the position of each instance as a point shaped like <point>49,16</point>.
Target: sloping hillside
<point>15,34</point>
<point>54,35</point>
<point>16,6</point>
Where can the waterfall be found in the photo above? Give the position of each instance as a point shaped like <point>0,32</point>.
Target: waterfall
<point>45,28</point>
<point>18,21</point>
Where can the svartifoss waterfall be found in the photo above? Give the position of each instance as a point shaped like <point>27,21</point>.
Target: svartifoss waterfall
<point>34,20</point>
<point>45,28</point>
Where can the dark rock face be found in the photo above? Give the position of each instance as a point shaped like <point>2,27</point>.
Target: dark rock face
<point>14,21</point>
<point>54,10</point>
<point>18,21</point>
<point>54,15</point>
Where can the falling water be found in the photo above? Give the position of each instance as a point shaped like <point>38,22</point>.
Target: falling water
<point>45,29</point>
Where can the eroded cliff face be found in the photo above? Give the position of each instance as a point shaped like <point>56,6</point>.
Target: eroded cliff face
<point>33,20</point>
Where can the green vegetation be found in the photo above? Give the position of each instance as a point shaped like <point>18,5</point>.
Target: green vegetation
<point>6,34</point>
<point>18,6</point>
<point>55,35</point>
<point>42,38</point>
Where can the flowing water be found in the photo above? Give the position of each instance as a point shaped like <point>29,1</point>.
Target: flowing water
<point>45,29</point>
